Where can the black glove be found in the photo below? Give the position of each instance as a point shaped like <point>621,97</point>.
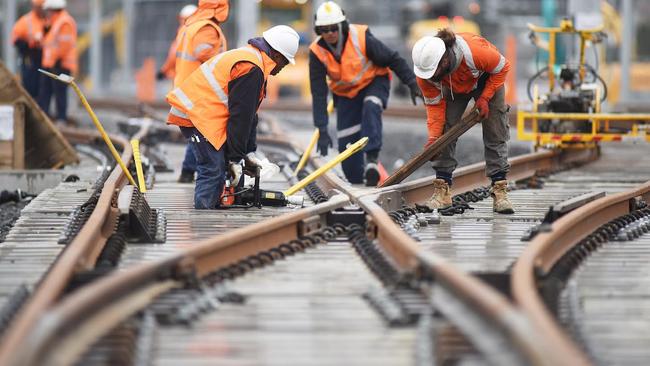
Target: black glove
<point>160,75</point>
<point>415,92</point>
<point>324,142</point>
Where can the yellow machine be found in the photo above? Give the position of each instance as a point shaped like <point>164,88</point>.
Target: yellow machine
<point>569,113</point>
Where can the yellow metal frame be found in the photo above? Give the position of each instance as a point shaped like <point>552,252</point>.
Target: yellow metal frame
<point>528,128</point>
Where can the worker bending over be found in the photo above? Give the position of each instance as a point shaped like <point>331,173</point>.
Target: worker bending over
<point>216,109</point>
<point>168,69</point>
<point>451,69</point>
<point>59,57</point>
<point>358,67</point>
<point>200,39</point>
<point>27,36</point>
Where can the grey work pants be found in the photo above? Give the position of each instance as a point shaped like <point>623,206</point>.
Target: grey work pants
<point>496,133</point>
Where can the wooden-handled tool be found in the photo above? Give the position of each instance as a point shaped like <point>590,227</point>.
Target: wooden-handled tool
<point>434,149</point>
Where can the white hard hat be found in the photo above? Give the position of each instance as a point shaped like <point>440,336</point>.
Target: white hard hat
<point>427,53</point>
<point>329,13</point>
<point>54,4</point>
<point>284,40</point>
<point>187,11</point>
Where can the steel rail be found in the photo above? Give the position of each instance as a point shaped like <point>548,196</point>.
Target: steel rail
<point>80,254</point>
<point>547,248</point>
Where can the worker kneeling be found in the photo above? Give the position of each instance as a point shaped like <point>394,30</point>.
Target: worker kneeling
<point>220,100</point>
<point>451,69</point>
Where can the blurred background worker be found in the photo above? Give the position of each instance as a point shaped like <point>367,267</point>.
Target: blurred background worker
<point>59,57</point>
<point>451,69</point>
<point>27,36</point>
<point>200,39</point>
<point>216,109</point>
<point>168,69</point>
<point>358,66</point>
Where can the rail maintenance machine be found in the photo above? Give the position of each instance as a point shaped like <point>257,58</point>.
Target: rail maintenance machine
<point>568,114</point>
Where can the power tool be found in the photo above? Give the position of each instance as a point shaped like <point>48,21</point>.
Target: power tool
<point>253,196</point>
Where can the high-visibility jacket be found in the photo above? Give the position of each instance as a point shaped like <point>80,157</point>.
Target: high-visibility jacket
<point>197,42</point>
<point>60,43</point>
<point>201,100</point>
<point>169,67</point>
<point>29,28</point>
<point>355,71</point>
<point>475,56</point>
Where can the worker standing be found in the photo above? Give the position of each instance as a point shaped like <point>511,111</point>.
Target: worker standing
<point>358,66</point>
<point>216,109</point>
<point>59,57</point>
<point>451,69</point>
<point>27,36</point>
<point>168,69</point>
<point>198,40</point>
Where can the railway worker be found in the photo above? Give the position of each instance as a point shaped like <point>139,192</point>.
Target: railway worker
<point>451,69</point>
<point>168,69</point>
<point>216,109</point>
<point>27,36</point>
<point>358,66</point>
<point>59,57</point>
<point>198,40</point>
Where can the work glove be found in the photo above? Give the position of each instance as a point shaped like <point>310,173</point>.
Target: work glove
<point>482,106</point>
<point>160,75</point>
<point>415,92</point>
<point>252,164</point>
<point>324,142</point>
<point>236,170</point>
<point>430,141</point>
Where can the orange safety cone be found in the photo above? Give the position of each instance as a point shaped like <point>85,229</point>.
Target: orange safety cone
<point>145,81</point>
<point>383,174</point>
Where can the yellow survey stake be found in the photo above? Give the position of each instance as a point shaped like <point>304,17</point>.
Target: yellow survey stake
<point>357,146</point>
<point>307,153</point>
<point>70,80</point>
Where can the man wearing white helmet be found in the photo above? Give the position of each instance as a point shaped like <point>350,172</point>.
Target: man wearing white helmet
<point>219,102</point>
<point>168,69</point>
<point>451,69</point>
<point>59,56</point>
<point>358,67</point>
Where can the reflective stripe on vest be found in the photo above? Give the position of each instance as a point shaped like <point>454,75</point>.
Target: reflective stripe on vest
<point>185,54</point>
<point>467,54</point>
<point>365,63</point>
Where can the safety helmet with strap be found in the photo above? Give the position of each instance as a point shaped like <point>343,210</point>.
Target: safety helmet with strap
<point>427,53</point>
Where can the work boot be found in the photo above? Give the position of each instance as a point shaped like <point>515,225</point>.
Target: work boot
<point>441,197</point>
<point>187,176</point>
<point>499,193</point>
<point>372,174</point>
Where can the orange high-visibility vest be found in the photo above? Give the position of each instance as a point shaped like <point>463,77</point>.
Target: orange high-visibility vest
<point>201,100</point>
<point>61,43</point>
<point>187,58</point>
<point>30,29</point>
<point>355,71</point>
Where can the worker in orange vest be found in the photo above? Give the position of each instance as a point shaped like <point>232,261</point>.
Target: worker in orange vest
<point>27,36</point>
<point>168,69</point>
<point>451,69</point>
<point>59,57</point>
<point>216,109</point>
<point>358,66</point>
<point>198,40</point>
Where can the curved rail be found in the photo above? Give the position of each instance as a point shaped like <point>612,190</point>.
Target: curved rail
<point>80,254</point>
<point>105,302</point>
<point>549,247</point>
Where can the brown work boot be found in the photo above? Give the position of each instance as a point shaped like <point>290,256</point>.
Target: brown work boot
<point>441,197</point>
<point>499,192</point>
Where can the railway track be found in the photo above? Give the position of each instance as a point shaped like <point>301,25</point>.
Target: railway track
<point>285,286</point>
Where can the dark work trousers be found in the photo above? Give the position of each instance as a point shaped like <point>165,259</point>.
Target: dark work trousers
<point>361,117</point>
<point>189,161</point>
<point>496,133</point>
<point>31,78</point>
<point>49,86</point>
<point>210,169</point>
